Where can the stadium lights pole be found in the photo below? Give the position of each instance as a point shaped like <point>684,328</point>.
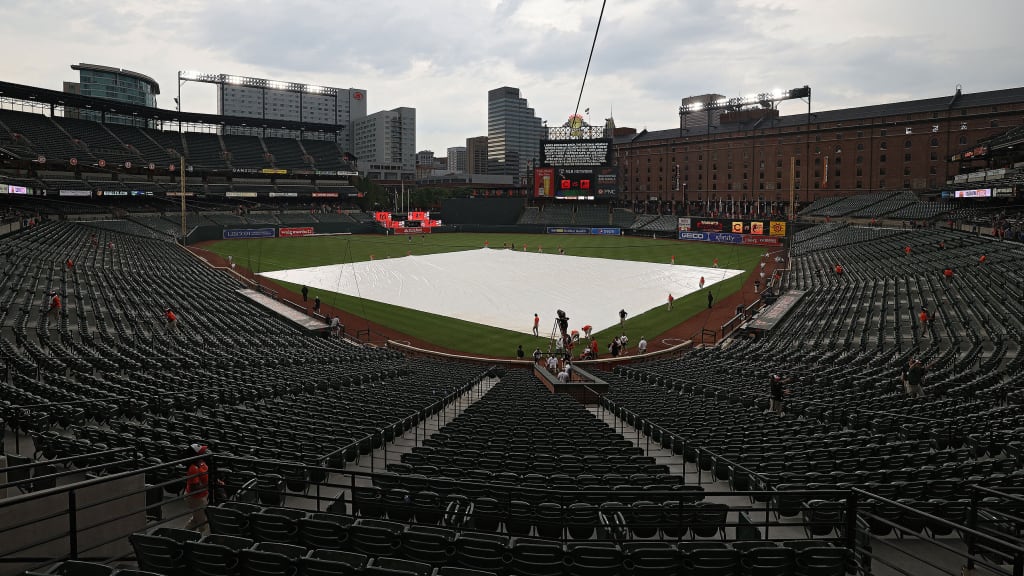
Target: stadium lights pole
<point>181,178</point>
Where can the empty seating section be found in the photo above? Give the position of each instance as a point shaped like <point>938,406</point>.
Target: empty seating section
<point>923,210</point>
<point>257,540</point>
<point>28,135</point>
<point>848,421</point>
<point>326,155</point>
<point>100,141</point>
<point>888,205</point>
<point>286,152</point>
<point>204,150</point>
<point>145,147</point>
<point>44,136</point>
<point>245,151</point>
<point>170,143</point>
<point>667,223</point>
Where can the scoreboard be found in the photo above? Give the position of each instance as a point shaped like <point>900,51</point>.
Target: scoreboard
<point>576,170</point>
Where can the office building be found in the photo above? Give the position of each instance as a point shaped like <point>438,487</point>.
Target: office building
<point>277,100</point>
<point>113,84</point>
<point>457,159</point>
<point>514,133</point>
<point>385,144</point>
<point>476,155</point>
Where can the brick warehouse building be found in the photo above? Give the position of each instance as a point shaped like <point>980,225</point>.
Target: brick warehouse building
<point>745,154</point>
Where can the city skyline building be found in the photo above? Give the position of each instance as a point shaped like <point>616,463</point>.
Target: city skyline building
<point>385,144</point>
<point>111,83</point>
<point>514,133</point>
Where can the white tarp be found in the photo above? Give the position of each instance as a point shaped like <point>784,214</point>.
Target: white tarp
<point>504,288</point>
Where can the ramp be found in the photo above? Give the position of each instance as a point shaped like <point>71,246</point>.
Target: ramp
<point>285,310</point>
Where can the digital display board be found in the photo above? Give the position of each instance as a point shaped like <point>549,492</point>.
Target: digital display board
<point>979,193</point>
<point>596,152</point>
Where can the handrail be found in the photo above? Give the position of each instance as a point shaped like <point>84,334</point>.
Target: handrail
<point>682,440</point>
<point>743,394</point>
<point>1016,547</point>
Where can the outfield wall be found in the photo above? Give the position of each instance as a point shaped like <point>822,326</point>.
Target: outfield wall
<point>206,233</point>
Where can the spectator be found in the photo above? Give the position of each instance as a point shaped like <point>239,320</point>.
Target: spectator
<point>536,322</point>
<point>641,346</point>
<point>196,487</point>
<point>172,320</point>
<point>55,305</point>
<point>519,352</point>
<point>915,378</point>
<point>777,393</point>
<point>536,355</point>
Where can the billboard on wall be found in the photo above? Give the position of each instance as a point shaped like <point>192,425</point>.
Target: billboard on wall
<point>240,233</point>
<point>295,231</point>
<point>729,238</point>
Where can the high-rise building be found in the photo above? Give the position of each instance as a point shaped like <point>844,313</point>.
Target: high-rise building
<point>276,100</point>
<point>476,155</point>
<point>514,133</point>
<point>113,84</point>
<point>385,144</point>
<point>457,159</point>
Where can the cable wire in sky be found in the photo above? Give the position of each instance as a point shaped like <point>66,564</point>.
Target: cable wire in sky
<point>591,57</point>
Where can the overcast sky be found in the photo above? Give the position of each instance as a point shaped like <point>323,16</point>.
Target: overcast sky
<point>442,56</point>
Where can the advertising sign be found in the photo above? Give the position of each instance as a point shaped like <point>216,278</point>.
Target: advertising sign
<point>544,182</point>
<point>295,231</point>
<point>979,193</point>
<point>239,233</point>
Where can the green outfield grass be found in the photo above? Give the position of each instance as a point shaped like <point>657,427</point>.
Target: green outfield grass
<point>264,255</point>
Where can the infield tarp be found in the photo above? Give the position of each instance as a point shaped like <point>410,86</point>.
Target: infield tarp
<point>504,288</point>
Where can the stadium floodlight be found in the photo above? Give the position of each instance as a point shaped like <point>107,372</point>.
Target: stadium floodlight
<point>189,75</point>
<point>314,89</point>
<point>231,79</point>
<point>766,99</point>
<point>276,85</point>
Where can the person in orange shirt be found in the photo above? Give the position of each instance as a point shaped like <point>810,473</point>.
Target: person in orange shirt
<point>982,258</point>
<point>197,488</point>
<point>906,250</point>
<point>948,273</point>
<point>701,282</point>
<point>55,305</point>
<point>587,330</point>
<point>672,299</point>
<point>69,263</point>
<point>839,269</point>
<point>536,322</point>
<point>172,320</point>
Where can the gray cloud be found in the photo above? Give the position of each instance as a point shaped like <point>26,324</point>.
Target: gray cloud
<point>443,56</point>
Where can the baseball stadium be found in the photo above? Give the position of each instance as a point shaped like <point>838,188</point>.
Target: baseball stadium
<point>226,351</point>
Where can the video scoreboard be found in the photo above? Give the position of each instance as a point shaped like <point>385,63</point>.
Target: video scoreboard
<point>574,169</point>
